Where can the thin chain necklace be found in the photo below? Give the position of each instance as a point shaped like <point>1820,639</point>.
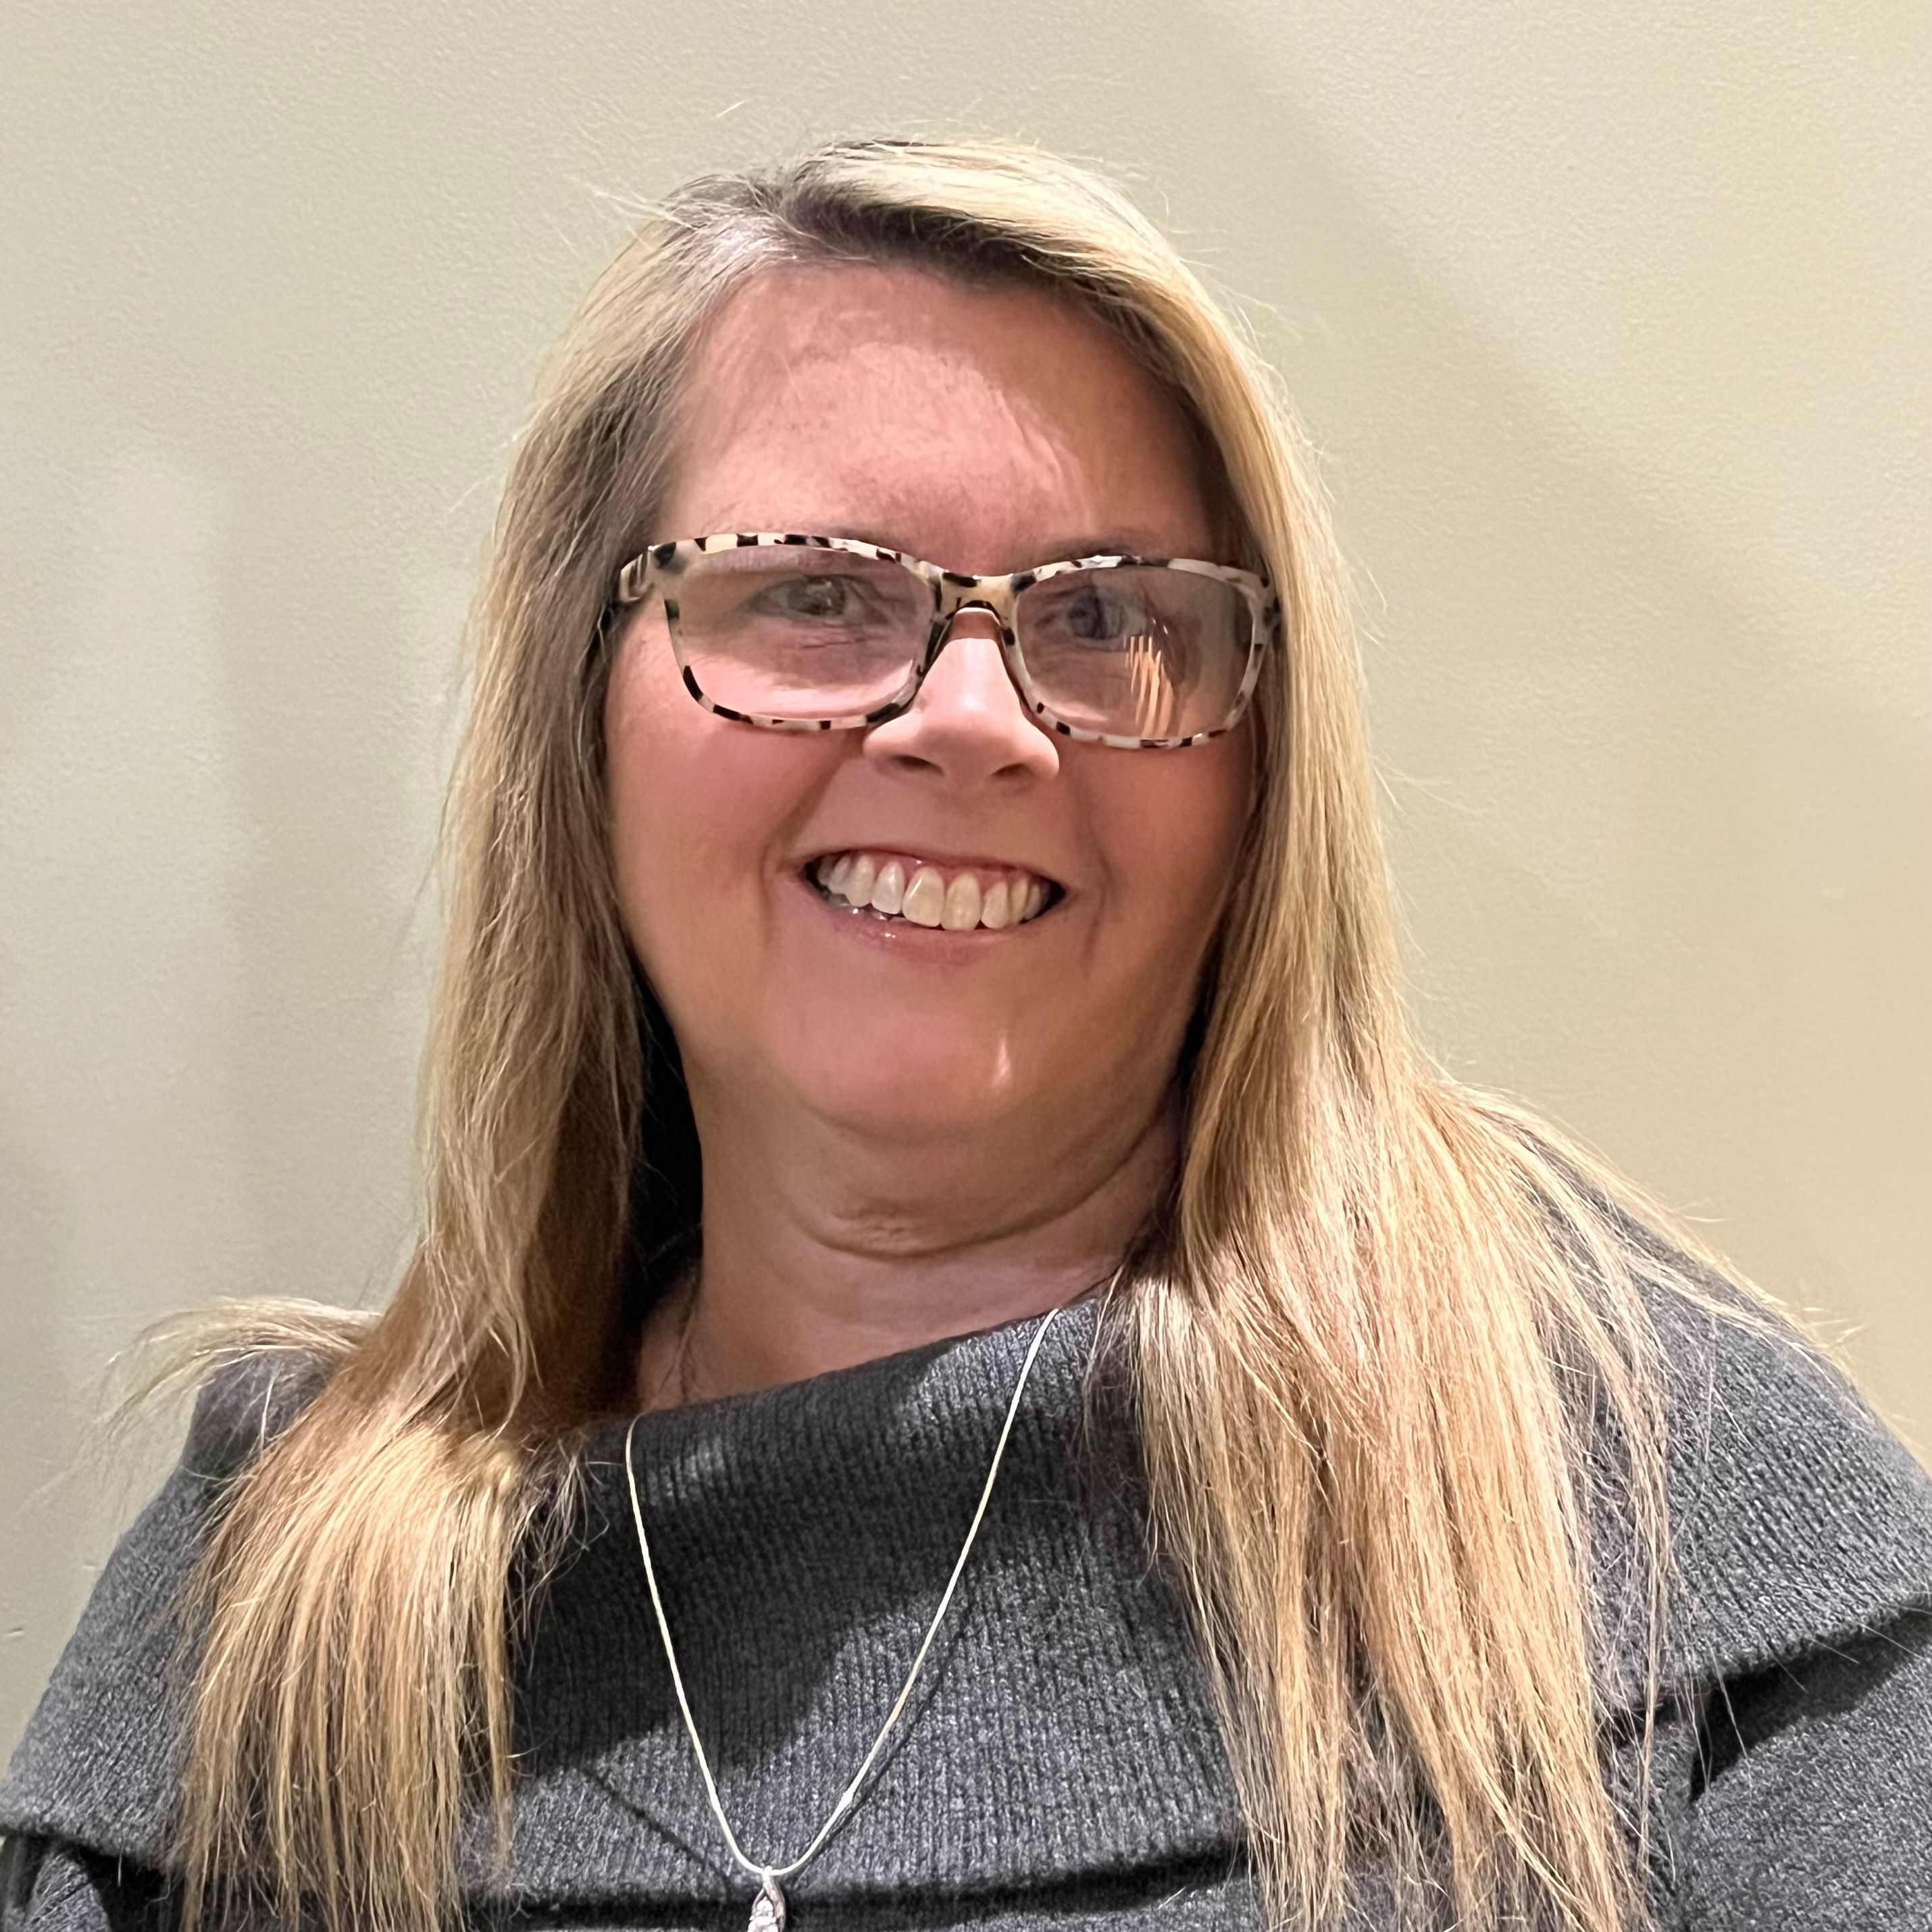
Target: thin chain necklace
<point>768,1908</point>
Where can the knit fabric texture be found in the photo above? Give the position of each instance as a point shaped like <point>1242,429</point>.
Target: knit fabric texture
<point>1060,1763</point>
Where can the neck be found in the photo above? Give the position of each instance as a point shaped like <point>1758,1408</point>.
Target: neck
<point>832,1249</point>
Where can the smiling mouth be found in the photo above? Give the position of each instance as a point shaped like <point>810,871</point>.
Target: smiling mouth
<point>959,898</point>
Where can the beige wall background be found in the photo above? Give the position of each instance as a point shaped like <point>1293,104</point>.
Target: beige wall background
<point>1613,323</point>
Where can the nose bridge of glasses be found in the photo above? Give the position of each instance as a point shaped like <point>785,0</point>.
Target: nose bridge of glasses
<point>985,606</point>
<point>989,600</point>
<point>959,593</point>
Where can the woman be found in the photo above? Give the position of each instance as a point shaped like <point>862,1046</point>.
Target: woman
<point>921,1117</point>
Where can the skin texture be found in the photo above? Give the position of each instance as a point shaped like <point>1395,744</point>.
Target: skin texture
<point>908,1134</point>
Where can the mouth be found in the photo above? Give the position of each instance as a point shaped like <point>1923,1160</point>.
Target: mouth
<point>903,888</point>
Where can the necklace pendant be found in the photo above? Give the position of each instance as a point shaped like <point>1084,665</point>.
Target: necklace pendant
<point>768,1908</point>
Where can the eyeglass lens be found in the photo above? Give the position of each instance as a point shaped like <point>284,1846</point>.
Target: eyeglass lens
<point>1132,651</point>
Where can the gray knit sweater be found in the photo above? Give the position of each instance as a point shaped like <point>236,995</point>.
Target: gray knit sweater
<point>1060,1764</point>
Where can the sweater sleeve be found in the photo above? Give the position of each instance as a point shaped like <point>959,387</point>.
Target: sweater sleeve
<point>87,1804</point>
<point>1811,1804</point>
<point>47,1886</point>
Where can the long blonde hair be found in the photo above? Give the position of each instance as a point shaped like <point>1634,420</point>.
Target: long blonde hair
<point>1357,1335</point>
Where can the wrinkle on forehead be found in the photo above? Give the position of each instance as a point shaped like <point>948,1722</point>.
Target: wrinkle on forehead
<point>992,419</point>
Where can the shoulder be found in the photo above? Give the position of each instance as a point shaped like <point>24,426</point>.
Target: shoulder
<point>96,1766</point>
<point>1795,1764</point>
<point>1797,1518</point>
<point>243,1406</point>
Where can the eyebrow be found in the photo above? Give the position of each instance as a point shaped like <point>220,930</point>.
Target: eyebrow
<point>1112,543</point>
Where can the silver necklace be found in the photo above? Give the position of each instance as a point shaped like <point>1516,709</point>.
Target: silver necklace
<point>768,1908</point>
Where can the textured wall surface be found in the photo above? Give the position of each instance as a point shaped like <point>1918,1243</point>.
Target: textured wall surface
<point>1612,323</point>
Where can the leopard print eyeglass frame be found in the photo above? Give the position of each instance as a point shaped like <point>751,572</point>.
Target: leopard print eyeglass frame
<point>805,633</point>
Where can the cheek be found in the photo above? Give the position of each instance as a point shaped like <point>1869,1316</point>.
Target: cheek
<point>1173,823</point>
<point>696,806</point>
<point>658,840</point>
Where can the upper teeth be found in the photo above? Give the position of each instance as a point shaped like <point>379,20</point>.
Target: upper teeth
<point>929,895</point>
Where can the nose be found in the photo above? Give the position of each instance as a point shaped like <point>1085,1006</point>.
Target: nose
<point>967,723</point>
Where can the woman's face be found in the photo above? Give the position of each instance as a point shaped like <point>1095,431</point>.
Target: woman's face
<point>987,430</point>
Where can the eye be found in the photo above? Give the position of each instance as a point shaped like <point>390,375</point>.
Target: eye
<point>1091,613</point>
<point>824,598</point>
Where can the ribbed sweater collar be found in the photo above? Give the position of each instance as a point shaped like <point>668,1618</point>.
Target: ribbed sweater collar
<point>1061,1734</point>
<point>1061,1728</point>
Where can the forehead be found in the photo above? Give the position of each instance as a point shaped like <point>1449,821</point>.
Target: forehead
<point>987,428</point>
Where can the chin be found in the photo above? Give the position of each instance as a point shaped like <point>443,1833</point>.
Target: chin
<point>919,1087</point>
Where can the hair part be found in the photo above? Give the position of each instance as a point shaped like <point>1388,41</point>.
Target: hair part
<point>1356,1344</point>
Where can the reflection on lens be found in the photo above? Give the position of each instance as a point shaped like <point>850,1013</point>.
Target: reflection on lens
<point>1137,651</point>
<point>801,633</point>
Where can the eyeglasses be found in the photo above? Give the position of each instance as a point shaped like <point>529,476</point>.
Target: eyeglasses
<point>825,634</point>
